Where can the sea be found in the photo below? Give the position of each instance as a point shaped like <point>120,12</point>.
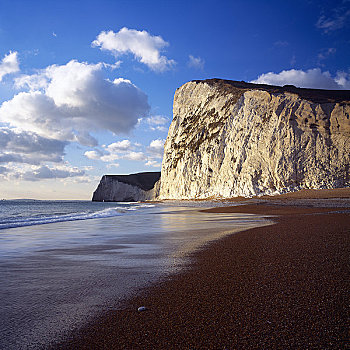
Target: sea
<point>62,263</point>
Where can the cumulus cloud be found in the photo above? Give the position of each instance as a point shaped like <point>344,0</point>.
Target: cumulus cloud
<point>312,78</point>
<point>343,79</point>
<point>145,47</point>
<point>95,154</point>
<point>195,62</point>
<point>110,157</point>
<point>119,146</point>
<point>68,102</point>
<point>101,155</point>
<point>45,172</point>
<point>127,150</point>
<point>32,82</point>
<point>26,142</point>
<point>117,150</point>
<point>26,147</point>
<point>156,148</point>
<point>27,172</point>
<point>9,64</point>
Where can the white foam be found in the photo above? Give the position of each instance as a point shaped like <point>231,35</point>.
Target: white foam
<point>105,213</point>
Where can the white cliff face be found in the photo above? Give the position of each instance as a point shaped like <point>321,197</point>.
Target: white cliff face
<point>227,142</point>
<point>127,188</point>
<point>110,190</point>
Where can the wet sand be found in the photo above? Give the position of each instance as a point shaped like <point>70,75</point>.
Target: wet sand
<point>283,286</point>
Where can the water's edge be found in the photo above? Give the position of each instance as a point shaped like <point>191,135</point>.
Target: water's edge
<point>61,275</point>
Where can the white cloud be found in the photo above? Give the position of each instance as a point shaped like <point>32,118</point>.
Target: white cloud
<point>110,158</point>
<point>95,154</point>
<point>136,156</point>
<point>32,82</point>
<point>101,155</point>
<point>343,79</point>
<point>153,163</point>
<point>128,151</point>
<point>312,78</point>
<point>119,146</point>
<point>9,64</point>
<point>156,148</point>
<point>117,150</point>
<point>67,102</point>
<point>195,62</point>
<point>157,122</point>
<point>145,47</point>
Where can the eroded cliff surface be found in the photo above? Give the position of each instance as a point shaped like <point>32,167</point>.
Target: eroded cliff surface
<point>236,139</point>
<point>127,188</point>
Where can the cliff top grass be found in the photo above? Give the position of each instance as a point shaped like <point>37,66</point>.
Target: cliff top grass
<point>313,95</point>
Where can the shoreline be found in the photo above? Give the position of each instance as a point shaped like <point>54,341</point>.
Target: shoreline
<point>327,193</point>
<point>278,286</point>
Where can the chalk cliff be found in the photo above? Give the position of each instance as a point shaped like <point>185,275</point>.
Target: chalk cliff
<point>238,139</point>
<point>127,188</point>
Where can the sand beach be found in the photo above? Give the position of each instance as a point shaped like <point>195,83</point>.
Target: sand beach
<point>282,286</point>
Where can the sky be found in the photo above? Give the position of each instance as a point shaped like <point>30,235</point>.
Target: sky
<point>86,87</point>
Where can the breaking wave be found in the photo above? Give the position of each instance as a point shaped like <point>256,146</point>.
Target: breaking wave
<point>12,222</point>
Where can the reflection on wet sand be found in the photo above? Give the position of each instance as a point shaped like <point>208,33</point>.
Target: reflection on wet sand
<point>188,230</point>
<point>55,277</point>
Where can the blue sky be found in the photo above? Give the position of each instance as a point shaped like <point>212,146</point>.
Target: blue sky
<point>86,87</point>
